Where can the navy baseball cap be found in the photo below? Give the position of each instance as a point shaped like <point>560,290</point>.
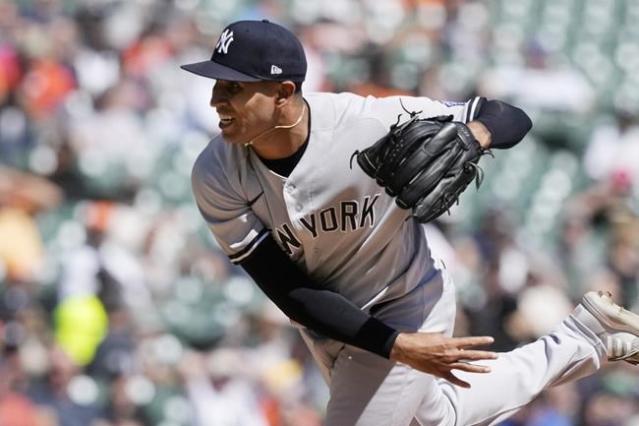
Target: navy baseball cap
<point>254,51</point>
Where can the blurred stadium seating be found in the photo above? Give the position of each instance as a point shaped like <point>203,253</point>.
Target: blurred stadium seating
<point>117,308</point>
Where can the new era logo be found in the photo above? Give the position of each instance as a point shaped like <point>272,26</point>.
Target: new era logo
<point>275,69</point>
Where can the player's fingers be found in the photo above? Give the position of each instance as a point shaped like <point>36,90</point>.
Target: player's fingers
<point>469,342</point>
<point>471,368</point>
<point>456,380</point>
<point>474,355</point>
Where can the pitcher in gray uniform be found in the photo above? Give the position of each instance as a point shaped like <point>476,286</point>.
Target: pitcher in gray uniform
<point>351,269</point>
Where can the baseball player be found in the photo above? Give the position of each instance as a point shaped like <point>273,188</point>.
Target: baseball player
<point>350,268</point>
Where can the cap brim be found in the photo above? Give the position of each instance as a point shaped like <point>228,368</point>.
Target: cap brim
<point>216,71</point>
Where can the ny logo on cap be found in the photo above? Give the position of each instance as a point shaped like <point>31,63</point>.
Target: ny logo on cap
<point>225,40</point>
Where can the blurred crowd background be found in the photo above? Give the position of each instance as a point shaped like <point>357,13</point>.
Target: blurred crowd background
<point>116,307</point>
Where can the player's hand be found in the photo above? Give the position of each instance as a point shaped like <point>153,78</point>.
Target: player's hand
<point>436,354</point>
<point>481,133</point>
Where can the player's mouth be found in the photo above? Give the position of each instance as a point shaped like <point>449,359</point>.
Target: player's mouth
<point>225,121</point>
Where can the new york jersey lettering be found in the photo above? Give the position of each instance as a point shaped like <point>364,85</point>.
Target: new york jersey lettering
<point>287,239</point>
<point>346,217</point>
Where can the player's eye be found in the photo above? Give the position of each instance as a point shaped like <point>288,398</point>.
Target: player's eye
<point>234,88</point>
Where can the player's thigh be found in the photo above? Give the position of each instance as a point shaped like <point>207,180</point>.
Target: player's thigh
<point>429,307</point>
<point>367,390</point>
<point>440,314</point>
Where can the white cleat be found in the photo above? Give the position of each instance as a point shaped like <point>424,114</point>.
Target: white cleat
<point>620,326</point>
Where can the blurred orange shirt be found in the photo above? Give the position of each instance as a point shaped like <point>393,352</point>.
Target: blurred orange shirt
<point>45,86</point>
<point>17,410</point>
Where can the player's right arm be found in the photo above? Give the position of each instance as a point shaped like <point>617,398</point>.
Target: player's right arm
<point>332,315</point>
<point>307,303</point>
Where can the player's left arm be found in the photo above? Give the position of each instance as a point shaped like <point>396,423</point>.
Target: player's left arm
<point>494,123</point>
<point>426,163</point>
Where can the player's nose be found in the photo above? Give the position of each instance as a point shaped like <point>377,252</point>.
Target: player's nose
<point>217,97</point>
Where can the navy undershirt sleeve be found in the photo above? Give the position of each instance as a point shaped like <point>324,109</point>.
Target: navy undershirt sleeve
<point>507,124</point>
<point>318,309</point>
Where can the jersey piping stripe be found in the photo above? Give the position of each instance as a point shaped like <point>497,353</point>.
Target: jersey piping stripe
<point>246,251</point>
<point>474,111</point>
<point>471,109</point>
<point>467,111</point>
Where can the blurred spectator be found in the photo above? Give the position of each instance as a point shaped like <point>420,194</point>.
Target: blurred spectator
<point>540,85</point>
<point>73,397</point>
<point>613,150</point>
<point>21,246</point>
<point>600,233</point>
<point>219,391</point>
<point>15,408</point>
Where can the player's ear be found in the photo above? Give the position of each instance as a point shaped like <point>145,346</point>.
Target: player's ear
<point>285,92</point>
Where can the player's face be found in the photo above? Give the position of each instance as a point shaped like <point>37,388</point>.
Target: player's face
<point>245,109</point>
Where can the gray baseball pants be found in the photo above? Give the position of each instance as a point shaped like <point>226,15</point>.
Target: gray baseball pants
<point>368,390</point>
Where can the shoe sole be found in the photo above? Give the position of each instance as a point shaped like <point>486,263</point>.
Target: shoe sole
<point>617,318</point>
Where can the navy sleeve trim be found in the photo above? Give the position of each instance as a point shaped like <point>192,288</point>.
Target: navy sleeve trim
<point>246,251</point>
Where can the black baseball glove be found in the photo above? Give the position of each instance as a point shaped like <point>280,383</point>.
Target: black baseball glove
<point>425,163</point>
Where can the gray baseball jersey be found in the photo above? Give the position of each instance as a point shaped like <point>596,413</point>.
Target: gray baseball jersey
<point>335,222</point>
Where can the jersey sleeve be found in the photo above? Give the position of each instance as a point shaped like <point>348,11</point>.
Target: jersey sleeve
<point>236,228</point>
<point>388,109</point>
